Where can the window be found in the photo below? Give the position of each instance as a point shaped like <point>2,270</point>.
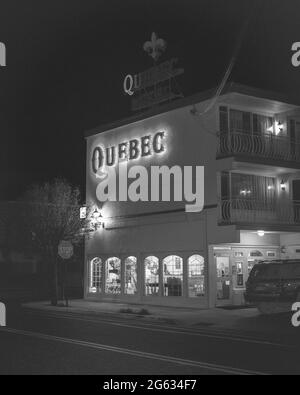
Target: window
<point>151,275</point>
<point>223,119</point>
<point>113,276</point>
<point>173,275</point>
<point>267,272</point>
<point>239,274</point>
<point>196,279</point>
<point>290,271</point>
<point>238,254</point>
<point>95,275</point>
<point>253,124</point>
<point>271,254</point>
<point>247,186</point>
<point>240,121</point>
<point>262,124</point>
<point>251,263</point>
<point>131,275</point>
<point>255,253</point>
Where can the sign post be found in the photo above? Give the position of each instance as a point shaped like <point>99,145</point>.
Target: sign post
<point>65,251</point>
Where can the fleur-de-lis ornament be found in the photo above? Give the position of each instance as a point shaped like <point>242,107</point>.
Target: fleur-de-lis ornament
<point>155,47</point>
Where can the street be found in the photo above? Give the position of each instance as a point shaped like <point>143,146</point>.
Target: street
<point>69,343</point>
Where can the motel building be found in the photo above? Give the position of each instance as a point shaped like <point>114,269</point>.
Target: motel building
<point>156,252</point>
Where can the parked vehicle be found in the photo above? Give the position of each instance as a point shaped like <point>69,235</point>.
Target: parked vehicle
<point>273,286</point>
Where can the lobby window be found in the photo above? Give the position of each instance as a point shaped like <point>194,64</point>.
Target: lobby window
<point>113,276</point>
<point>196,276</point>
<point>151,275</point>
<point>131,275</point>
<point>95,276</point>
<point>173,275</point>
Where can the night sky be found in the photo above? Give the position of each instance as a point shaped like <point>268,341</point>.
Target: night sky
<point>66,61</point>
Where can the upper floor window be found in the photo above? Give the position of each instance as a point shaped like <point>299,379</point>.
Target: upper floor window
<point>245,122</point>
<point>248,187</point>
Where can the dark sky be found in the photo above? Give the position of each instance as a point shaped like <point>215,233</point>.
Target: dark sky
<point>66,61</point>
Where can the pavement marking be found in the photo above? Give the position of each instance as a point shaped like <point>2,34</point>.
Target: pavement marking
<point>167,329</point>
<point>134,353</point>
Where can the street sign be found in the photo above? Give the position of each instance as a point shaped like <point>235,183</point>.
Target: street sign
<point>82,212</point>
<point>65,249</point>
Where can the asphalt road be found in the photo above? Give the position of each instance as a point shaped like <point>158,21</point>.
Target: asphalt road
<point>60,343</point>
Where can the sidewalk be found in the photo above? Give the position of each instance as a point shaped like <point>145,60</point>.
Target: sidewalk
<point>242,322</point>
<point>247,319</point>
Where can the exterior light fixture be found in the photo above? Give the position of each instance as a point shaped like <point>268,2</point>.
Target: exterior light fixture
<point>97,219</point>
<point>245,191</point>
<point>270,187</point>
<point>278,127</point>
<point>283,185</point>
<point>261,233</point>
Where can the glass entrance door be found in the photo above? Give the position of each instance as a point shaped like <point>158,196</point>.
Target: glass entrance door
<point>223,279</point>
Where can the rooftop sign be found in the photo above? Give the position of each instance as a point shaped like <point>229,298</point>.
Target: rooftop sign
<point>154,85</point>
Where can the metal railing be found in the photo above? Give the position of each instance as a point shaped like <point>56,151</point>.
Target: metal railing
<point>261,146</point>
<point>251,211</point>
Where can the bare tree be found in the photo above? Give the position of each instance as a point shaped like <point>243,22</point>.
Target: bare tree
<point>50,214</point>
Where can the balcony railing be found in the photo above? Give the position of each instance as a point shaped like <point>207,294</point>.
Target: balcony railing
<point>266,146</point>
<point>244,211</point>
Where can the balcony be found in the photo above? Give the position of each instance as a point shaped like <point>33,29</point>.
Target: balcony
<point>256,212</point>
<point>267,147</point>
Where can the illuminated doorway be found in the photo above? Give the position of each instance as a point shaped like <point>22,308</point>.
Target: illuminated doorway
<point>223,278</point>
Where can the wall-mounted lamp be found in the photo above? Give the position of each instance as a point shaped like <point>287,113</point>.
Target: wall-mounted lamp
<point>283,249</point>
<point>97,219</point>
<point>245,192</point>
<point>283,185</point>
<point>278,127</point>
<point>261,233</point>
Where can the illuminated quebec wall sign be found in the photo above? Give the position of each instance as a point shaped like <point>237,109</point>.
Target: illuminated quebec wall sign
<point>129,150</point>
<point>118,183</point>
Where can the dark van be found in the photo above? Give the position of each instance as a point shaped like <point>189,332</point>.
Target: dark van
<point>273,286</point>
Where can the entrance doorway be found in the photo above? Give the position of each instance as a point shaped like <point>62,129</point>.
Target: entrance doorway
<point>224,286</point>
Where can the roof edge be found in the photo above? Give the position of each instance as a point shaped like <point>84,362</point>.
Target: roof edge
<point>230,87</point>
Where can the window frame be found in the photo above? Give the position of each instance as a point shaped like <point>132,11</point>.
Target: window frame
<point>201,275</point>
